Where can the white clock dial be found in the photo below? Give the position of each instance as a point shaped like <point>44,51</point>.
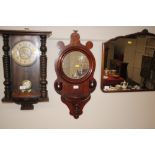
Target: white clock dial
<point>24,53</point>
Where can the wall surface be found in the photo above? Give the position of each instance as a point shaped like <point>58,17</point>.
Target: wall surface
<point>118,110</point>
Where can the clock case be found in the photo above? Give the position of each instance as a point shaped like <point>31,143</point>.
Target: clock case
<point>14,73</point>
<point>75,99</point>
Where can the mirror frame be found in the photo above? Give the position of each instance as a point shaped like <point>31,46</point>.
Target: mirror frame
<point>132,36</point>
<point>84,51</point>
<point>75,93</point>
<point>85,75</point>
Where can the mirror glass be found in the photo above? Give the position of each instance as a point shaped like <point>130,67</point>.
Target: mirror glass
<point>129,64</point>
<point>75,65</point>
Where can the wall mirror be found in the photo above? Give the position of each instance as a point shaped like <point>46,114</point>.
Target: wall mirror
<point>128,63</point>
<point>75,68</point>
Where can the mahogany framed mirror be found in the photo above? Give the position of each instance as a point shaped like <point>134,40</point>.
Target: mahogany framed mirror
<point>128,63</point>
<point>75,68</point>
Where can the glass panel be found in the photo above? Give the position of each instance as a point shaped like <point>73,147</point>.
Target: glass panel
<point>129,64</point>
<point>75,65</point>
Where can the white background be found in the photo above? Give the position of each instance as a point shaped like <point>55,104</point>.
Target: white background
<point>103,111</point>
<point>92,13</point>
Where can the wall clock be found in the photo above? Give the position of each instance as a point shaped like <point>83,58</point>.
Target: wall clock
<point>75,68</point>
<point>25,65</point>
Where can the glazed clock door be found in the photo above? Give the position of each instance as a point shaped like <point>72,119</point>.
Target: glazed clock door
<point>25,65</point>
<point>75,65</point>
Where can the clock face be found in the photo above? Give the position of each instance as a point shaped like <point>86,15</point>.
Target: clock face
<point>24,53</point>
<point>75,65</point>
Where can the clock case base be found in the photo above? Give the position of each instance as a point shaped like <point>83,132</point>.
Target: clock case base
<point>5,100</point>
<point>27,102</point>
<point>28,105</point>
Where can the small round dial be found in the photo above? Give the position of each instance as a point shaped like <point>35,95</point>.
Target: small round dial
<point>24,53</point>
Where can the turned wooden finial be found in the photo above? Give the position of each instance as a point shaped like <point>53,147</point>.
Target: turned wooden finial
<point>75,31</point>
<point>26,29</point>
<point>145,31</point>
<point>75,38</point>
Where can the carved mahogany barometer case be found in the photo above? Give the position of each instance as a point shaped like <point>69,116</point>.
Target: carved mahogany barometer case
<point>25,64</point>
<point>75,68</point>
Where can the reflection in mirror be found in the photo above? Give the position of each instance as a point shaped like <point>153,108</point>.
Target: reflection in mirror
<point>129,63</point>
<point>75,65</point>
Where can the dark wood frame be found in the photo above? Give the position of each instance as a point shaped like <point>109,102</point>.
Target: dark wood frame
<point>25,101</point>
<point>87,83</point>
<point>134,35</point>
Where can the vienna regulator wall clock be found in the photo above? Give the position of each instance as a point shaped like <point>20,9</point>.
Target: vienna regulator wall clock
<point>25,65</point>
<point>75,68</point>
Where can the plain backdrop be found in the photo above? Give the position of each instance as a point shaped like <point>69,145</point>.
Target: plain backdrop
<point>114,110</point>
